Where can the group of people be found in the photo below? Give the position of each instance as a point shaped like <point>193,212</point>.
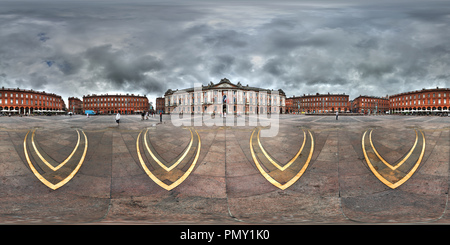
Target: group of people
<point>144,115</point>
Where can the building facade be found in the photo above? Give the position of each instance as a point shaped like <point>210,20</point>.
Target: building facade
<point>224,97</point>
<point>370,105</point>
<point>425,101</point>
<point>75,105</point>
<point>159,108</point>
<point>289,105</point>
<point>322,103</point>
<point>293,105</point>
<point>21,101</point>
<point>112,104</point>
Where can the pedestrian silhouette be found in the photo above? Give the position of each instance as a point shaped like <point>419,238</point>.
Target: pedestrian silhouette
<point>118,118</point>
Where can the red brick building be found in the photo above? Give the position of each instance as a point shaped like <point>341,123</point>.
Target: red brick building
<point>159,105</point>
<point>323,103</point>
<point>75,105</point>
<point>21,101</point>
<point>289,105</point>
<point>370,104</point>
<point>293,105</point>
<point>425,101</point>
<point>111,104</point>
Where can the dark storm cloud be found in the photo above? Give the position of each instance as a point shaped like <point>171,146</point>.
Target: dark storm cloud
<point>67,64</point>
<point>281,23</point>
<point>74,48</point>
<point>222,64</point>
<point>229,38</point>
<point>375,70</point>
<point>431,14</point>
<point>39,81</point>
<point>276,66</point>
<point>118,67</point>
<point>368,43</point>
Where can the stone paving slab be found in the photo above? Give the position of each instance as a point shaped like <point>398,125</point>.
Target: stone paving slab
<point>225,185</point>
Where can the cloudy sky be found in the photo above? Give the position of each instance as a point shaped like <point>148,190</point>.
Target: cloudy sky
<point>74,48</point>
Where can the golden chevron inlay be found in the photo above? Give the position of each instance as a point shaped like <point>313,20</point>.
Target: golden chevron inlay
<point>393,175</point>
<point>51,176</point>
<point>155,167</point>
<point>281,177</point>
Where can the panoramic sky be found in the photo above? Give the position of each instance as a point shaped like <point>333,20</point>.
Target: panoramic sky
<point>75,48</point>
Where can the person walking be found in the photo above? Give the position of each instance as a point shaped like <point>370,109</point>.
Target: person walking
<point>160,116</point>
<point>337,115</point>
<point>118,118</point>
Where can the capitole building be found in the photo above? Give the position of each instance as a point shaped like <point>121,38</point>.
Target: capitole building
<point>225,97</point>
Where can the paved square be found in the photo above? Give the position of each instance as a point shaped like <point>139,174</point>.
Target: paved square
<point>358,169</point>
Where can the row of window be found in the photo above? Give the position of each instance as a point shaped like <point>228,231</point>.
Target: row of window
<point>316,104</point>
<point>224,92</point>
<point>11,95</point>
<point>324,99</point>
<point>114,99</point>
<point>233,99</point>
<point>115,104</point>
<point>373,100</point>
<point>208,98</point>
<point>230,108</point>
<point>29,102</point>
<point>406,103</point>
<point>371,104</point>
<point>421,96</point>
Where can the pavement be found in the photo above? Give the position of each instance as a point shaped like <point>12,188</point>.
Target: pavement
<point>314,170</point>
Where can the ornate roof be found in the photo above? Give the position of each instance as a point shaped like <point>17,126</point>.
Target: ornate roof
<point>225,84</point>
